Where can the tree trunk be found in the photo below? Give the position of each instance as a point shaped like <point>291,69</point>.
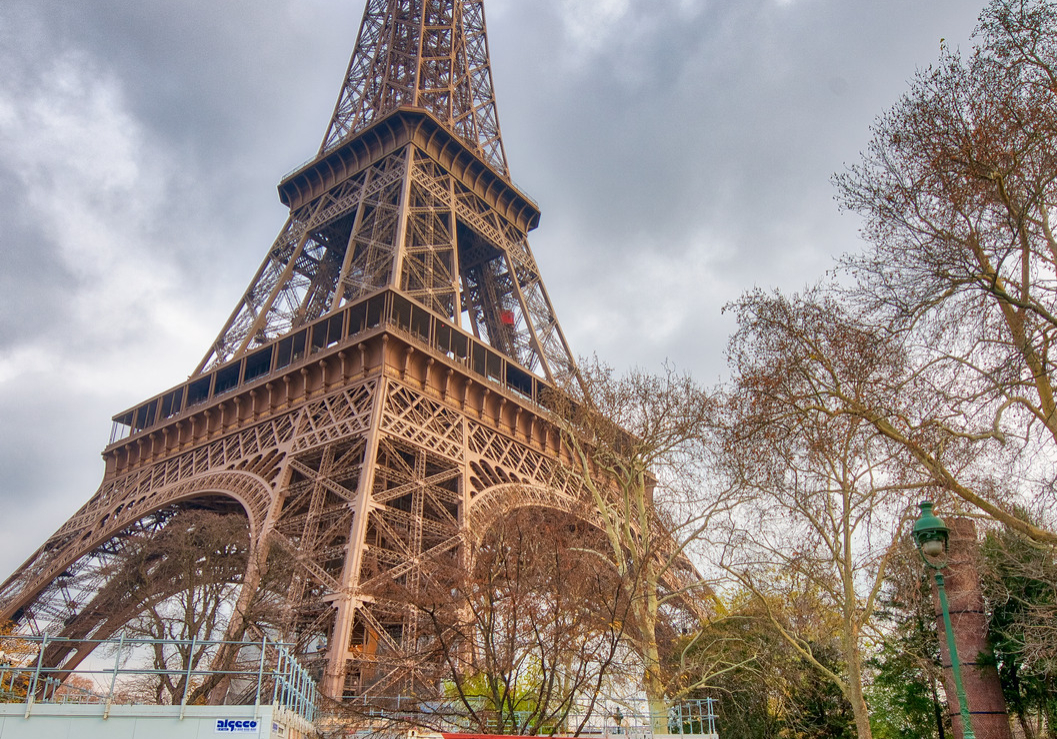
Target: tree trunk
<point>855,694</point>
<point>652,682</point>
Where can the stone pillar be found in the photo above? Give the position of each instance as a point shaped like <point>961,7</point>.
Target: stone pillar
<point>987,706</point>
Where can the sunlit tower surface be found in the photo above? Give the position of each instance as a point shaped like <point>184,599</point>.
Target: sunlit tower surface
<point>378,394</point>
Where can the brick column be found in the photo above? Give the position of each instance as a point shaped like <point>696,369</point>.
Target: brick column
<point>987,707</point>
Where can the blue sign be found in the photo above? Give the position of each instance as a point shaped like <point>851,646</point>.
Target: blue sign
<point>237,726</point>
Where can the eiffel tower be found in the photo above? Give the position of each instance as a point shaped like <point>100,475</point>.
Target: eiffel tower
<point>379,390</point>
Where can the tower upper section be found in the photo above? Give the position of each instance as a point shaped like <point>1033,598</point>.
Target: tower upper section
<point>405,223</point>
<point>408,194</point>
<point>427,54</point>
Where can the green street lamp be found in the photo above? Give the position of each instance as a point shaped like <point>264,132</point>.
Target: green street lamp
<point>930,536</point>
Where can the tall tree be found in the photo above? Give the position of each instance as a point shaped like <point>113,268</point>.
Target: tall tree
<point>640,442</point>
<point>527,636</point>
<point>828,492</point>
<point>958,189</point>
<point>186,573</point>
<point>181,572</point>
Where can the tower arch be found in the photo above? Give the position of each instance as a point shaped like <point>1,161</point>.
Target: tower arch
<point>497,501</point>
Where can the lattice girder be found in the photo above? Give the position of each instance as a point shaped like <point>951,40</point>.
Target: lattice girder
<point>109,512</point>
<point>230,466</point>
<point>427,479</point>
<point>351,230</point>
<point>417,95</point>
<point>421,54</point>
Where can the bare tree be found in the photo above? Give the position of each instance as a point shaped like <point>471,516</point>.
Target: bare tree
<point>185,573</point>
<point>828,491</point>
<point>527,636</point>
<point>958,189</point>
<point>640,443</point>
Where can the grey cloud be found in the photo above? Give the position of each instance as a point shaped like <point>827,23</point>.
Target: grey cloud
<point>34,281</point>
<point>730,131</point>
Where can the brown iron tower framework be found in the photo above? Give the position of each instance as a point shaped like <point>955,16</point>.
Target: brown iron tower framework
<point>378,393</point>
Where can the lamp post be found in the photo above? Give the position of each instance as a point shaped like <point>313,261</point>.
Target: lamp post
<point>930,536</point>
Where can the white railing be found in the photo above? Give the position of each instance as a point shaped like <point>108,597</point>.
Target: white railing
<point>32,671</point>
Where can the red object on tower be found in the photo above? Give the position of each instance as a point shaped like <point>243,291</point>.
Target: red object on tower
<point>507,317</point>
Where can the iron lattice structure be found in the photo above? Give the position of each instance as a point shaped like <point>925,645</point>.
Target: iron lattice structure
<point>431,55</point>
<point>377,395</point>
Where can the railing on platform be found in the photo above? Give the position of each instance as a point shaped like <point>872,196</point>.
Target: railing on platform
<point>255,671</point>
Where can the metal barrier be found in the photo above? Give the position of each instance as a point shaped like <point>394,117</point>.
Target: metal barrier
<point>255,669</point>
<point>693,716</point>
<point>608,717</point>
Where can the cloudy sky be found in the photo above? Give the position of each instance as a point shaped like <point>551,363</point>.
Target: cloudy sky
<point>680,150</point>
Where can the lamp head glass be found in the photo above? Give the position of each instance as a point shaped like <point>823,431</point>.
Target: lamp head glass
<point>930,534</point>
<point>932,548</point>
